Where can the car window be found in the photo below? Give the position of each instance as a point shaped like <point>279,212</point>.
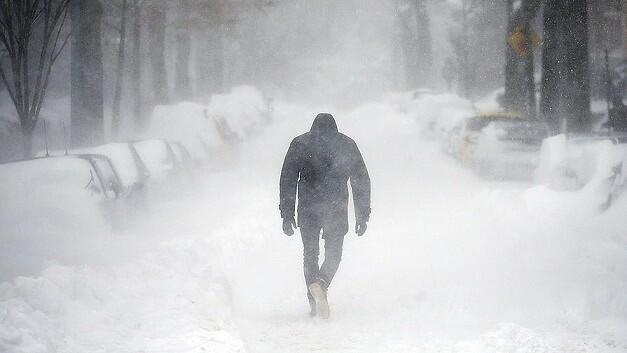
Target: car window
<point>109,178</point>
<point>522,131</point>
<point>476,124</point>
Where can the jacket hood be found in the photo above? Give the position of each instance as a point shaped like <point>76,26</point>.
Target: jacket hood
<point>324,124</point>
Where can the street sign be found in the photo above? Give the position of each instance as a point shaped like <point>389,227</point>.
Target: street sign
<point>518,41</point>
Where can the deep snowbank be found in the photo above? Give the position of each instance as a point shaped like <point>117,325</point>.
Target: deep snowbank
<point>170,300</point>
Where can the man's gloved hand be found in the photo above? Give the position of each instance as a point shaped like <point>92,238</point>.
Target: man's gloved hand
<point>289,224</point>
<point>360,228</point>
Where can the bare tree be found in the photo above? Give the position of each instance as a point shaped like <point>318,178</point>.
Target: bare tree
<point>136,72</point>
<point>27,81</point>
<point>423,42</point>
<point>576,90</point>
<point>408,45</point>
<point>182,82</point>
<point>551,63</point>
<point>460,42</point>
<point>87,98</point>
<point>157,23</point>
<point>623,6</point>
<point>119,79</point>
<point>565,65</point>
<point>415,42</point>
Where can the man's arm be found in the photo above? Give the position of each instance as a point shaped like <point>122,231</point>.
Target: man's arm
<point>289,181</point>
<point>360,184</point>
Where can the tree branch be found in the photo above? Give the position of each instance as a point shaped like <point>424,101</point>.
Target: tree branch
<point>525,13</point>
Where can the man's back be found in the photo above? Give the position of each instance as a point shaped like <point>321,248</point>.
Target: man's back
<point>320,163</point>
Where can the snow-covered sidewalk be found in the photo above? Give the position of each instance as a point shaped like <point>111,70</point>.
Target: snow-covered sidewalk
<point>450,263</point>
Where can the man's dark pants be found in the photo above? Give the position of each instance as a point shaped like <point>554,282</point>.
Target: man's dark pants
<point>311,251</point>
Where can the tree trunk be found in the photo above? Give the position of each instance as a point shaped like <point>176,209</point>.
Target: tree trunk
<point>119,80</point>
<point>530,83</point>
<point>519,68</point>
<point>183,52</point>
<point>27,127</point>
<point>183,89</point>
<point>156,33</point>
<point>136,68</point>
<point>218,60</point>
<point>624,18</point>
<point>424,48</point>
<point>467,79</point>
<point>409,55</point>
<point>576,90</point>
<point>599,29</point>
<point>551,64</point>
<point>511,64</point>
<point>87,73</point>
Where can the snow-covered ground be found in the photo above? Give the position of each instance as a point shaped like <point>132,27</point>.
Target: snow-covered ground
<point>450,263</point>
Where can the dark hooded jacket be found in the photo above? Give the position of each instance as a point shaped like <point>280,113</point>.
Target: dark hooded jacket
<point>319,164</point>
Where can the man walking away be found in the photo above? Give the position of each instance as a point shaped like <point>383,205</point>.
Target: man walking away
<point>319,165</point>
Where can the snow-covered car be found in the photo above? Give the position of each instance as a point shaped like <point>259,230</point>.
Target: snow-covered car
<point>183,157</point>
<point>509,149</point>
<point>450,139</point>
<point>50,209</point>
<point>593,166</point>
<point>158,157</point>
<point>465,141</point>
<point>109,182</point>
<point>129,166</point>
<point>56,189</point>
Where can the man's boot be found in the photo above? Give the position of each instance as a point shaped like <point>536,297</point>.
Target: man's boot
<point>319,293</point>
<point>312,306</point>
